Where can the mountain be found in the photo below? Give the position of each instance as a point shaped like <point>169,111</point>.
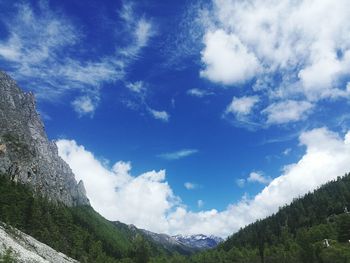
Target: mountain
<point>40,196</point>
<point>199,242</point>
<point>26,154</point>
<point>167,243</point>
<point>22,248</point>
<point>182,244</point>
<point>312,229</point>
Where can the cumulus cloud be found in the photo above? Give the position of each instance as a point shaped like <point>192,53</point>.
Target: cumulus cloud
<point>226,59</point>
<point>141,200</point>
<point>45,47</point>
<point>283,49</point>
<point>148,201</point>
<point>178,154</point>
<point>287,111</point>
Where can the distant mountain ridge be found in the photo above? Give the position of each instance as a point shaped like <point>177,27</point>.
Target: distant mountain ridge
<point>200,241</point>
<point>26,154</point>
<point>183,244</point>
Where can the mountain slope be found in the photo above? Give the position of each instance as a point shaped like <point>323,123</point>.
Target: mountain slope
<point>25,249</point>
<point>184,245</point>
<point>312,229</point>
<point>40,196</point>
<point>78,232</point>
<point>26,154</point>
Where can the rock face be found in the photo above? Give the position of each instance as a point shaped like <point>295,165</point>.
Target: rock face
<point>25,249</point>
<point>26,154</point>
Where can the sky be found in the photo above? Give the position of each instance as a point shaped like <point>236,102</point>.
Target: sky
<point>188,117</point>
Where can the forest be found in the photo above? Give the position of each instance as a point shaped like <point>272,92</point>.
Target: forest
<point>78,232</point>
<point>312,229</point>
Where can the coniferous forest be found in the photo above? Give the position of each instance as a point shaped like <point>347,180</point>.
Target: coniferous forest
<point>314,228</point>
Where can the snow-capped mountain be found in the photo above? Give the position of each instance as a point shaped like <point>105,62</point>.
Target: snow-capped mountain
<point>199,241</point>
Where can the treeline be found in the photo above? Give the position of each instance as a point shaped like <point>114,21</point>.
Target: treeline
<point>304,224</point>
<point>312,229</point>
<point>79,232</point>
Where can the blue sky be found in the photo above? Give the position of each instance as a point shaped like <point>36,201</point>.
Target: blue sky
<point>206,114</point>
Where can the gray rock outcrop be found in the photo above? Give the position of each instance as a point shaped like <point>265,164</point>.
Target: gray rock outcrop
<point>25,249</point>
<point>26,154</point>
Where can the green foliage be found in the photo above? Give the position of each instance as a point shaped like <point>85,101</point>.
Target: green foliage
<point>296,234</point>
<point>343,228</point>
<point>8,257</point>
<point>79,232</point>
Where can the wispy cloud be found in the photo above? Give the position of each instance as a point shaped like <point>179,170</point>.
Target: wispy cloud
<point>159,115</point>
<point>200,93</point>
<point>287,111</point>
<point>85,105</point>
<point>46,47</point>
<point>259,177</point>
<point>178,154</point>
<point>240,182</point>
<point>190,186</point>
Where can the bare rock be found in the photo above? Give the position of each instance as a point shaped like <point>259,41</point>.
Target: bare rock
<point>26,154</point>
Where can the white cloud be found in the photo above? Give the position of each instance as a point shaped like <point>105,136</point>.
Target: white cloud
<point>200,93</point>
<point>285,50</point>
<point>85,105</point>
<point>137,87</point>
<point>142,30</point>
<point>226,59</point>
<point>159,115</point>
<point>258,177</point>
<point>141,200</point>
<point>190,186</point>
<point>287,111</point>
<point>149,202</point>
<point>242,106</point>
<point>178,154</point>
<point>304,36</point>
<point>45,47</point>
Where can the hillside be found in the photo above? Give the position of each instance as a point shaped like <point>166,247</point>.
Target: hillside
<point>26,154</point>
<point>312,229</point>
<point>21,248</point>
<point>184,245</point>
<point>40,196</point>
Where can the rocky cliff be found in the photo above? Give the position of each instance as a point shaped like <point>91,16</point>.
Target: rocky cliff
<point>26,154</point>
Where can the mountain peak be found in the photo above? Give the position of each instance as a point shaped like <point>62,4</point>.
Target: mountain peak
<point>26,154</point>
<point>199,241</point>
